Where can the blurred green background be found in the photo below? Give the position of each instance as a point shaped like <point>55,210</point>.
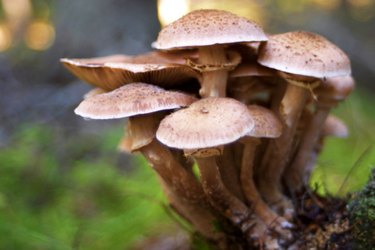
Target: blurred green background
<point>63,185</point>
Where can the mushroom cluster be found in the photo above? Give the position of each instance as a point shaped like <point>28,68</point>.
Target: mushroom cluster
<point>250,110</point>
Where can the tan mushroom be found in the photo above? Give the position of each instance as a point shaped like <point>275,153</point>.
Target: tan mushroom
<point>108,73</point>
<point>142,103</point>
<point>130,100</point>
<point>329,94</point>
<point>266,125</point>
<point>205,125</point>
<point>302,58</point>
<point>210,31</point>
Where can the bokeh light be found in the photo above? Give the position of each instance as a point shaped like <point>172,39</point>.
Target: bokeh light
<point>5,37</point>
<point>171,10</point>
<point>17,13</point>
<point>253,9</point>
<point>362,10</point>
<point>39,35</point>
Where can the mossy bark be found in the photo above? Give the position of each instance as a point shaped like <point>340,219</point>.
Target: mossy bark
<point>362,216</point>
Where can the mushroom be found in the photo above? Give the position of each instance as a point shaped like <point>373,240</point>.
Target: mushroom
<point>329,94</point>
<point>142,103</point>
<point>210,31</point>
<point>200,130</point>
<point>108,73</point>
<point>266,125</point>
<point>301,58</point>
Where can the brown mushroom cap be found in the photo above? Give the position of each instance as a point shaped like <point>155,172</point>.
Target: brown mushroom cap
<point>131,99</point>
<point>335,88</point>
<point>111,72</point>
<point>208,27</point>
<point>208,122</point>
<point>266,123</point>
<point>304,53</point>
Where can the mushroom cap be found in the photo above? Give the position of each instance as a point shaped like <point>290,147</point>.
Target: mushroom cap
<point>111,72</point>
<point>266,123</point>
<point>336,88</point>
<point>304,53</point>
<point>131,99</point>
<point>333,126</point>
<point>208,27</point>
<point>208,122</point>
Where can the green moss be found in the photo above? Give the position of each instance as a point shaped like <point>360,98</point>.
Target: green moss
<point>362,216</point>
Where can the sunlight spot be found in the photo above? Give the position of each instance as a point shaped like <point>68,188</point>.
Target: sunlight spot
<point>171,10</point>
<point>5,37</point>
<point>40,35</point>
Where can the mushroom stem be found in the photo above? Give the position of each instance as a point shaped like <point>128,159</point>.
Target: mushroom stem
<point>229,172</point>
<point>294,175</point>
<point>330,93</point>
<point>161,158</point>
<point>214,82</point>
<point>176,176</point>
<point>219,196</point>
<point>181,186</point>
<point>201,218</point>
<point>278,151</point>
<point>260,208</point>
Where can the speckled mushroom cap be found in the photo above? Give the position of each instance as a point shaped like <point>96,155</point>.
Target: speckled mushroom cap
<point>132,99</point>
<point>266,123</point>
<point>208,122</point>
<point>111,72</point>
<point>335,88</point>
<point>304,53</point>
<point>208,27</point>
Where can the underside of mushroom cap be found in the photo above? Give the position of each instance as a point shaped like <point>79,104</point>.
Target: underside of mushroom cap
<point>304,53</point>
<point>208,27</point>
<point>208,122</point>
<point>111,72</point>
<point>131,99</point>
